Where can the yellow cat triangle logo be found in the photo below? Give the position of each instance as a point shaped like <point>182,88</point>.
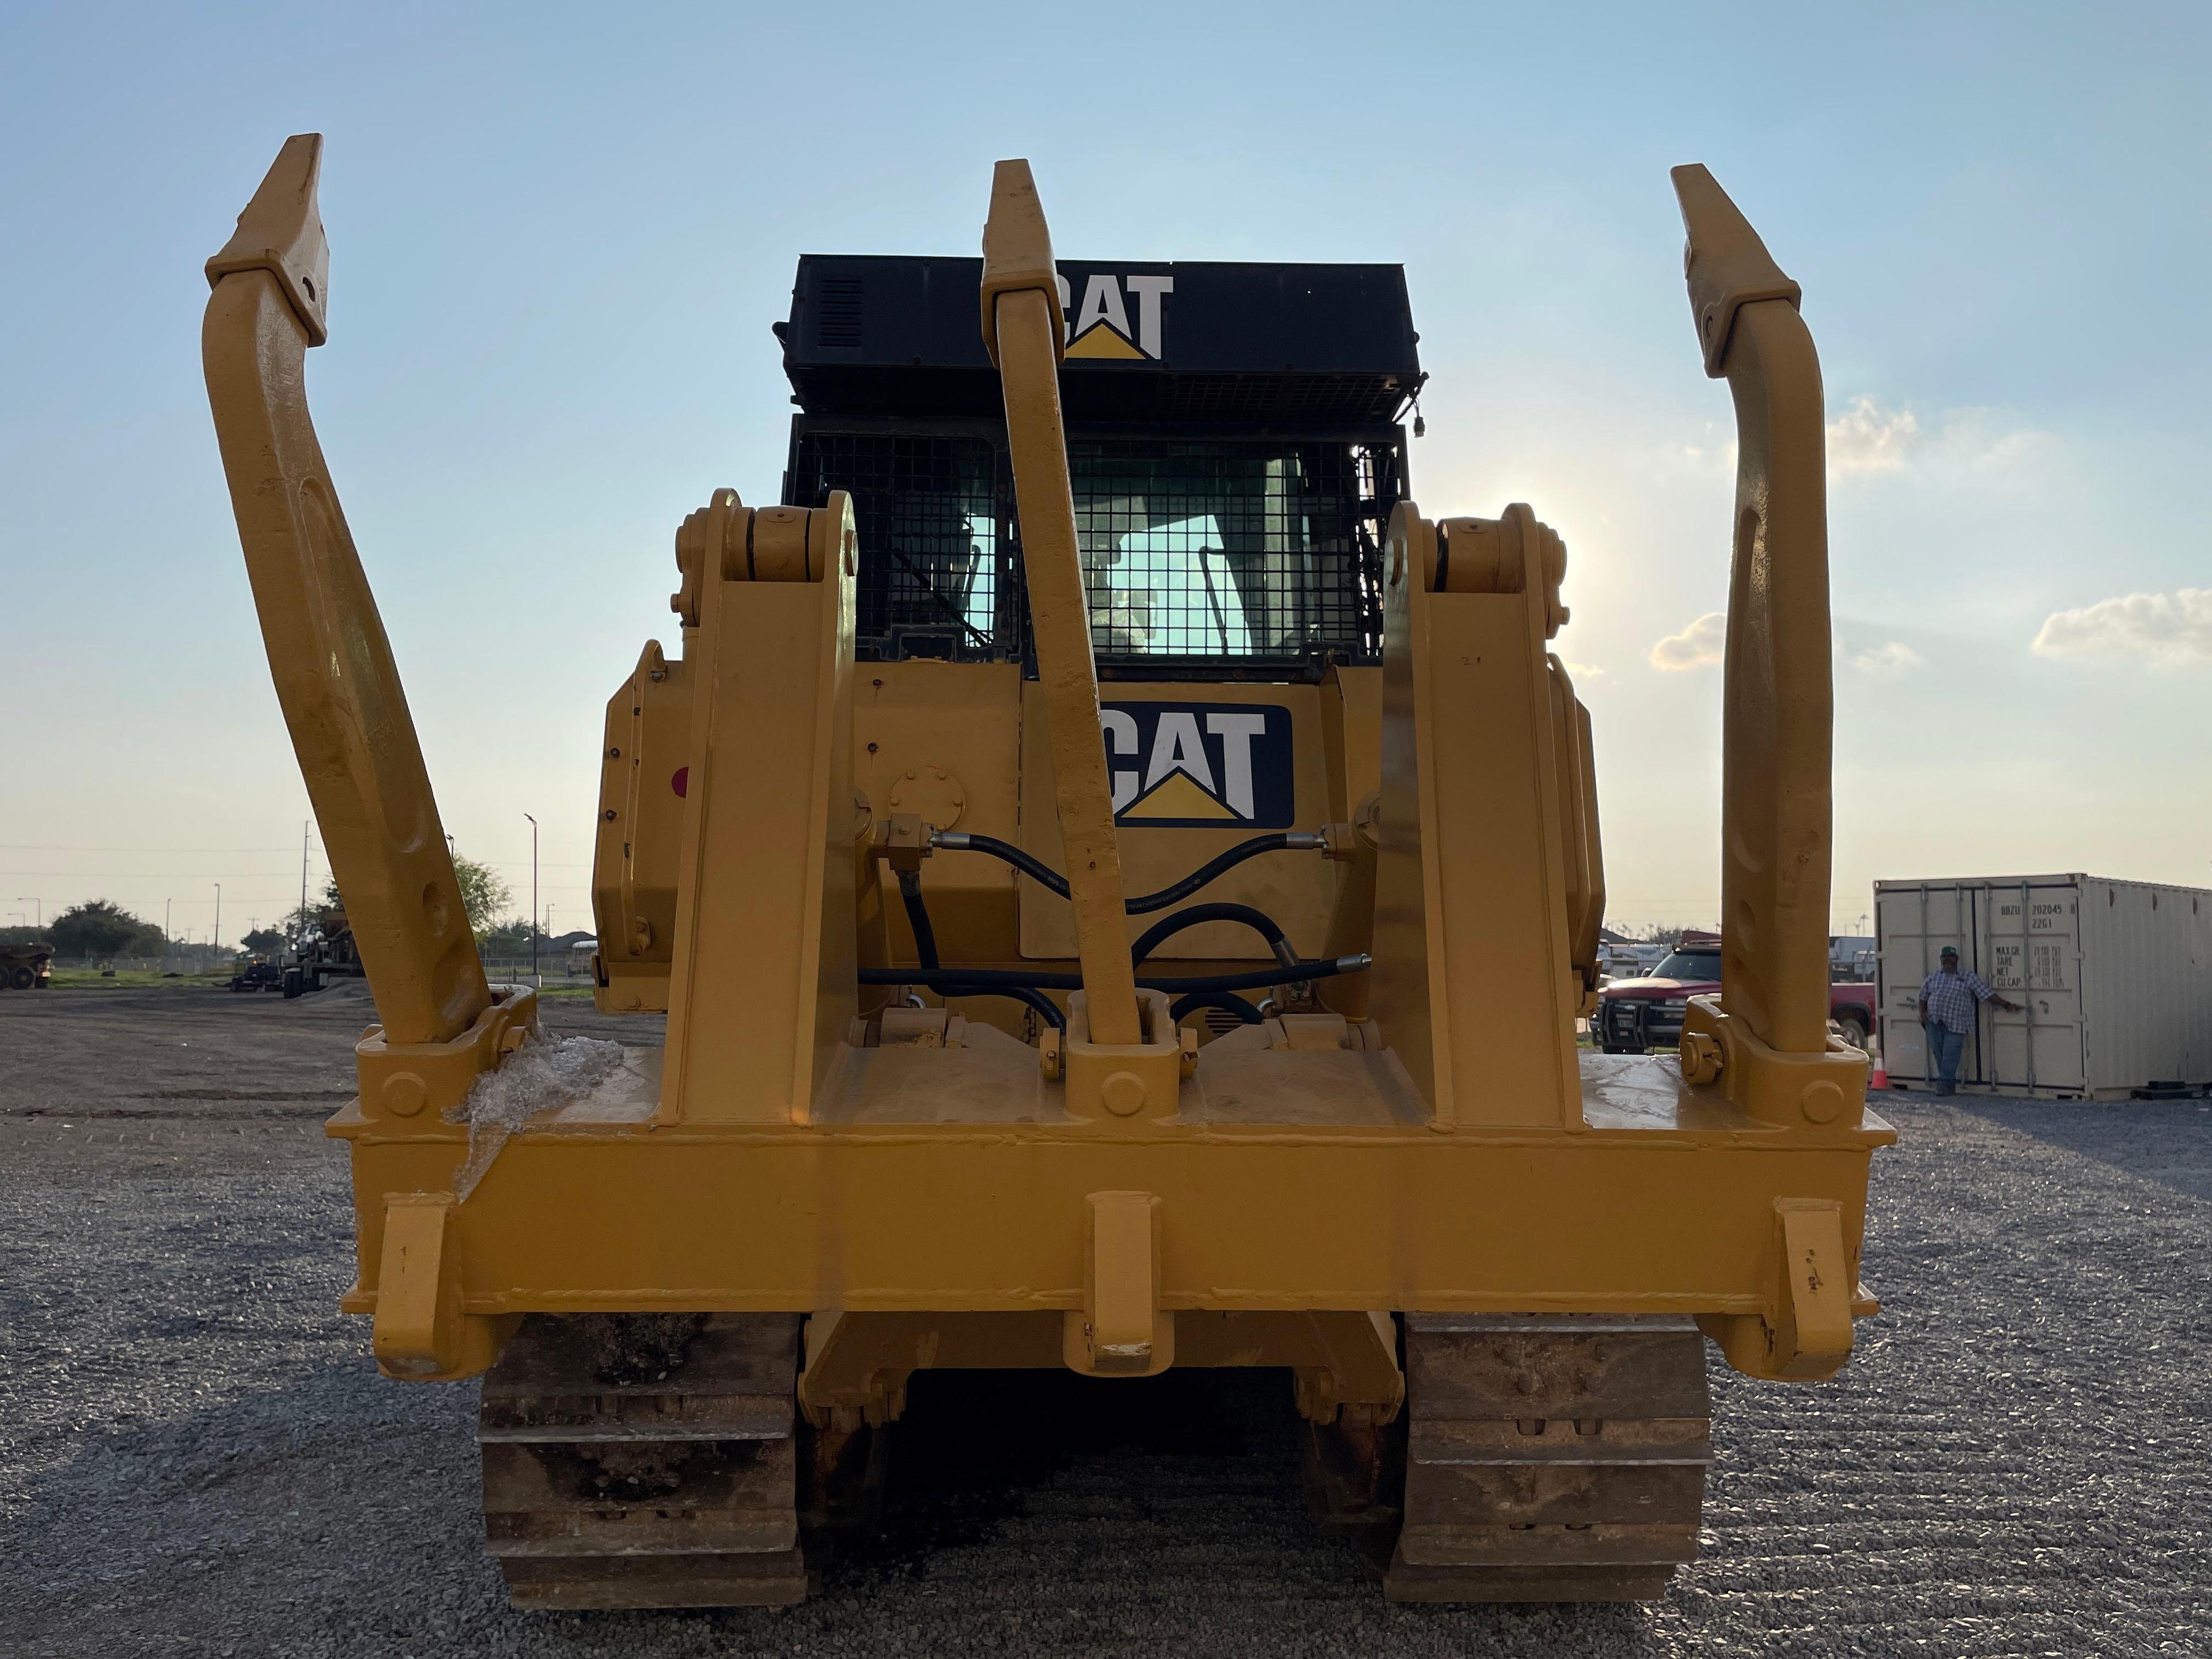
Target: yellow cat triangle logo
<point>1178,797</point>
<point>1100,341</point>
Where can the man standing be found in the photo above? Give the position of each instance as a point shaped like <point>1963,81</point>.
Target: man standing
<point>1946,1014</point>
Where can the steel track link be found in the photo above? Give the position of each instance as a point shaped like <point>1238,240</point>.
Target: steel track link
<point>1550,1458</point>
<point>643,1461</point>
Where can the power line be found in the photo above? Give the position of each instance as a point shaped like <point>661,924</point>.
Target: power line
<point>153,875</point>
<point>204,874</point>
<point>56,847</point>
<point>67,847</point>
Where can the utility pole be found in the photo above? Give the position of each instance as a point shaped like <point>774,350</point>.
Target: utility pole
<point>303,880</point>
<point>168,939</point>
<point>536,978</point>
<point>216,942</point>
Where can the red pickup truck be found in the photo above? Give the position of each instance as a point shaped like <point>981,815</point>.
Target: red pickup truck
<point>1634,1015</point>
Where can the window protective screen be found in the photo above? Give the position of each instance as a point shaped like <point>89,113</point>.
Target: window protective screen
<point>1208,555</point>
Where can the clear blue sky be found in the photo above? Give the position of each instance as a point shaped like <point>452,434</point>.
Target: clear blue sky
<point>559,236</point>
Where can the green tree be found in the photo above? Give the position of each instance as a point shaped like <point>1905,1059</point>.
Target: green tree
<point>99,927</point>
<point>483,894</point>
<point>265,940</point>
<point>307,923</point>
<point>510,939</point>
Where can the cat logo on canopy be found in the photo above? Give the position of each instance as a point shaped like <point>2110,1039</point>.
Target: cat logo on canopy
<point>1099,328</point>
<point>1200,765</point>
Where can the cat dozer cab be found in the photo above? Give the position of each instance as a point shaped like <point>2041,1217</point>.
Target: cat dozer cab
<point>1122,883</point>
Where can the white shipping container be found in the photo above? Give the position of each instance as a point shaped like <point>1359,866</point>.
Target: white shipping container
<point>2115,977</point>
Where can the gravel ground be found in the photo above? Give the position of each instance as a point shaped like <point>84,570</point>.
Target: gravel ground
<point>198,1457</point>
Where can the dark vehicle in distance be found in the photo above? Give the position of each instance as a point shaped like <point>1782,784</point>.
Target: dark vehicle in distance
<point>257,973</point>
<point>1637,1015</point>
<point>328,953</point>
<point>26,967</point>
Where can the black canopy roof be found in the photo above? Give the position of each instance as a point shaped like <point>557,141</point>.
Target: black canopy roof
<point>882,336</point>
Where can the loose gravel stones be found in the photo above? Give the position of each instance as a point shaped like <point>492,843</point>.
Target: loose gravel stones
<point>198,1457</point>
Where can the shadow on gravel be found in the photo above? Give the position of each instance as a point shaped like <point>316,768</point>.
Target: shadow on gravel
<point>1070,1514</point>
<point>976,1447</point>
<point>1029,1513</point>
<point>2168,1141</point>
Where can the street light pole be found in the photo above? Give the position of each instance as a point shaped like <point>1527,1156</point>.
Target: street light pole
<point>536,978</point>
<point>216,942</point>
<point>38,910</point>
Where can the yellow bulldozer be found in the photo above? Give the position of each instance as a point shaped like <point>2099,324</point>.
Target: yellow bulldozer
<point>1124,887</point>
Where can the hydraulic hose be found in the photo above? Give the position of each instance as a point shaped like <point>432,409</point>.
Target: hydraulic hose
<point>1047,1009</point>
<point>983,979</point>
<point>959,841</point>
<point>955,841</point>
<point>951,981</point>
<point>1258,920</point>
<point>941,980</point>
<point>917,915</point>
<point>925,945</point>
<point>1184,1007</point>
<point>1217,866</point>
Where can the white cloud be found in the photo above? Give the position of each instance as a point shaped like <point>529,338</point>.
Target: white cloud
<point>1972,448</point>
<point>1581,671</point>
<point>1704,643</point>
<point>1963,445</point>
<point>1699,646</point>
<point>2173,631</point>
<point>1716,455</point>
<point>1867,438</point>
<point>1886,662</point>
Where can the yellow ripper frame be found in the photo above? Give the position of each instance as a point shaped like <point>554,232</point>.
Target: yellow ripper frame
<point>1123,1199</point>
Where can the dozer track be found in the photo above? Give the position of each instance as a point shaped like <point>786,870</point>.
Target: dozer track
<point>644,1460</point>
<point>1550,1458</point>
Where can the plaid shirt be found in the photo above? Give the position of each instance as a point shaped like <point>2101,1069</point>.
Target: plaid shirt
<point>1951,999</point>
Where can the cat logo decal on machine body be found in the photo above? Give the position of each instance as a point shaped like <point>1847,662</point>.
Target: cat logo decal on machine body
<point>1200,765</point>
<point>1120,318</point>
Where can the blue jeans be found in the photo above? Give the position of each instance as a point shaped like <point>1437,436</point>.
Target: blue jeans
<point>1945,1046</point>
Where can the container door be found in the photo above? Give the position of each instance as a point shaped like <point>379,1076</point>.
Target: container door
<point>2030,941</point>
<point>1913,923</point>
